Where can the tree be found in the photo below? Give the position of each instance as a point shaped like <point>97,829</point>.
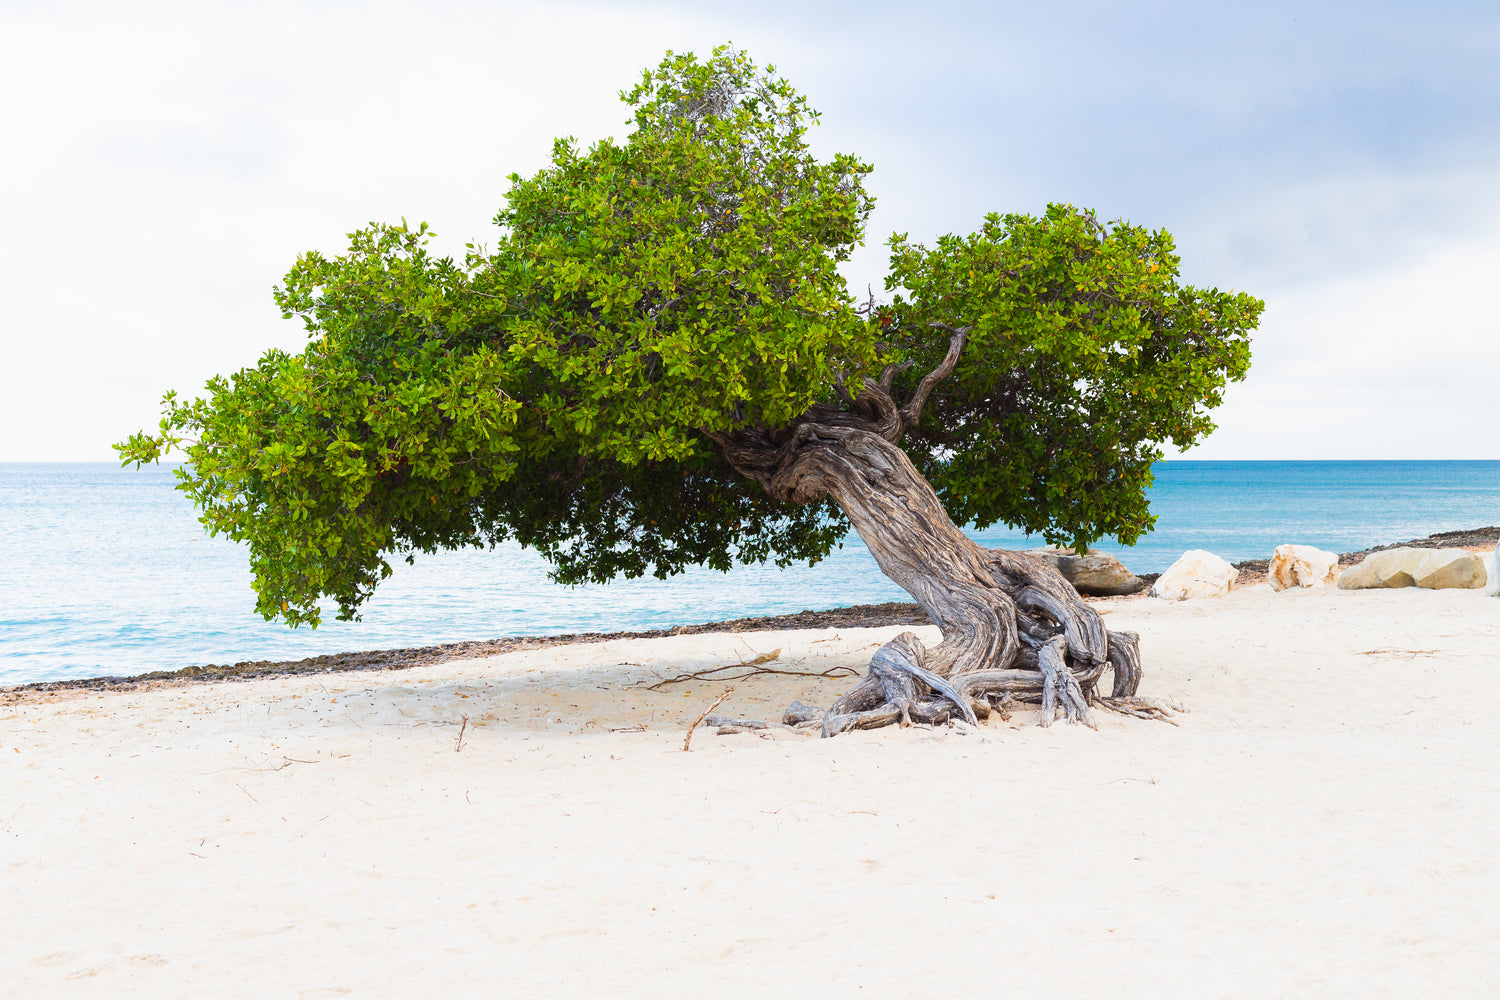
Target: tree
<point>658,365</point>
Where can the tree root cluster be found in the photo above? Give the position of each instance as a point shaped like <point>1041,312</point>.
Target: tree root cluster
<point>899,689</point>
<point>1040,643</point>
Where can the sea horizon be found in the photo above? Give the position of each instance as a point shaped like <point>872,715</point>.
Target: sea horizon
<point>105,571</point>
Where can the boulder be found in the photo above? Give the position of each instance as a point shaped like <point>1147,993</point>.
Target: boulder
<point>1434,569</point>
<point>1302,566</point>
<point>1196,574</point>
<point>1093,573</point>
<point>1492,572</point>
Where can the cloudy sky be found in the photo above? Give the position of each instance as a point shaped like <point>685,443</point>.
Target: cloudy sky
<point>165,164</point>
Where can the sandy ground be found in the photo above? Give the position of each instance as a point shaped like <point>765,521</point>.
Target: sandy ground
<point>1322,823</point>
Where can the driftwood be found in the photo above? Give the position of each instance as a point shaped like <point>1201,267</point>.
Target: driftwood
<point>687,742</point>
<point>721,722</point>
<point>750,668</point>
<point>1014,630</point>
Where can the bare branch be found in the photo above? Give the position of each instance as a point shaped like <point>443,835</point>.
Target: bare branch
<point>891,371</point>
<point>911,413</point>
<point>748,670</point>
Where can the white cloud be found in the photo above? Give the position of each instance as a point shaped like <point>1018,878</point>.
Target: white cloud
<point>171,164</point>
<point>1394,364</point>
<point>167,161</point>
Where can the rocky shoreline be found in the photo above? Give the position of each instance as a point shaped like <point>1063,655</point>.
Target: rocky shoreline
<point>1252,571</point>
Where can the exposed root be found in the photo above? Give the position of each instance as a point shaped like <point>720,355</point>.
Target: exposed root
<point>1158,709</point>
<point>898,688</point>
<point>1060,687</point>
<point>1059,664</point>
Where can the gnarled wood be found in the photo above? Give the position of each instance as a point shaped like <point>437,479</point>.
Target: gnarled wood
<point>1013,627</point>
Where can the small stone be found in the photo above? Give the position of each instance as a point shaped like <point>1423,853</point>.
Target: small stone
<point>1094,573</point>
<point>1195,574</point>
<point>1302,566</point>
<point>1433,569</point>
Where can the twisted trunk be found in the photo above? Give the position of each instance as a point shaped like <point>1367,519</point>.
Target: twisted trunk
<point>1013,628</point>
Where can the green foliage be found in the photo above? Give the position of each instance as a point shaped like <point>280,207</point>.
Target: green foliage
<point>1084,355</point>
<point>557,389</point>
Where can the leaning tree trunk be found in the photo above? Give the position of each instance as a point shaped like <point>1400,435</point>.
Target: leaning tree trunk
<point>1013,628</point>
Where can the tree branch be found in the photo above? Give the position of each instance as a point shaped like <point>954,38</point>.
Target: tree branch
<point>911,413</point>
<point>891,371</point>
<point>762,455</point>
<point>876,405</point>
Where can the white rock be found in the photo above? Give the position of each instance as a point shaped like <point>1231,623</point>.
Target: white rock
<point>1094,573</point>
<point>1434,569</point>
<point>1302,566</point>
<point>1492,572</point>
<point>1196,574</point>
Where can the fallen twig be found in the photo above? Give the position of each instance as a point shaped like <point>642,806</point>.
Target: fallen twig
<point>687,743</point>
<point>459,743</point>
<point>754,670</point>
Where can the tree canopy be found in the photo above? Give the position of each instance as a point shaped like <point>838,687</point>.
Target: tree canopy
<point>564,388</point>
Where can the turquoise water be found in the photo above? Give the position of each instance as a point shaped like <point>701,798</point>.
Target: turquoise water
<point>106,571</point>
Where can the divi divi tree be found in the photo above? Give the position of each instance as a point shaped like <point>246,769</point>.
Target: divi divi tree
<point>658,365</point>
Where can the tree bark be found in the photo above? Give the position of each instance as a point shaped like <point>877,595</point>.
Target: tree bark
<point>1013,628</point>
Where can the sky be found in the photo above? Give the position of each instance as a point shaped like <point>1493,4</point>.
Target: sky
<point>165,163</point>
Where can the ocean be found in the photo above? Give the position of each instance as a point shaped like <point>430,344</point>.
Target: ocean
<point>106,572</point>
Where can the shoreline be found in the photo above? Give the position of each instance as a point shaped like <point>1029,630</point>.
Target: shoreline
<point>1252,572</point>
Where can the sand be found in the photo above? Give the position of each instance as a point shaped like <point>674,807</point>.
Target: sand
<point>1321,823</point>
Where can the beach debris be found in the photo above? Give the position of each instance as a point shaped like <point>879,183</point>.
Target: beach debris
<point>1431,569</point>
<point>458,744</point>
<point>750,668</point>
<point>1302,566</point>
<point>798,715</point>
<point>1195,574</point>
<point>687,743</point>
<point>724,722</point>
<point>1094,573</point>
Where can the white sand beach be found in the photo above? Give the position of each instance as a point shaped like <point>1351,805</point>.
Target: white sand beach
<point>1321,823</point>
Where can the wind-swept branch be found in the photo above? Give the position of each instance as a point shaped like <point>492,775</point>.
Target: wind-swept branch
<point>911,413</point>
